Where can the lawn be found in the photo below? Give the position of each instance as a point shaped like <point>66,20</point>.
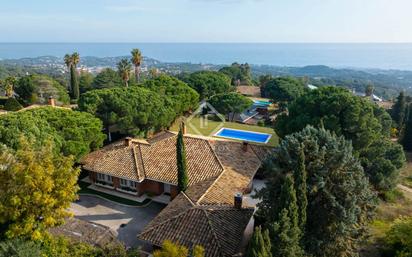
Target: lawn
<point>84,190</point>
<point>205,127</point>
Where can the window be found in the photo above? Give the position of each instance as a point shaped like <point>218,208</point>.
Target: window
<point>100,176</point>
<point>123,182</point>
<point>109,178</point>
<point>132,184</point>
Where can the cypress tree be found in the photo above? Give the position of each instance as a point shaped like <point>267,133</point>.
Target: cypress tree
<point>286,233</point>
<point>301,188</point>
<point>182,178</point>
<point>399,110</point>
<point>406,140</point>
<point>74,84</point>
<point>259,245</point>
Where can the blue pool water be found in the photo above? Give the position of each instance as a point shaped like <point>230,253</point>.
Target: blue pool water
<point>244,135</point>
<point>261,103</point>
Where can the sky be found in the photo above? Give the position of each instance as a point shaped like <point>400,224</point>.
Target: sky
<point>205,21</point>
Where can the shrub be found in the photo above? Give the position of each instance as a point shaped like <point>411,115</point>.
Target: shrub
<point>398,240</point>
<point>12,105</point>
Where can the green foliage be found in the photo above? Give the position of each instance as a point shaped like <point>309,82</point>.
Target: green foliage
<point>381,162</point>
<point>300,176</point>
<point>135,110</point>
<point>74,133</point>
<point>406,138</point>
<point>259,244</point>
<point>107,78</point>
<point>137,59</point>
<point>36,89</point>
<point>36,183</point>
<point>285,232</point>
<point>369,90</point>
<point>358,120</point>
<point>182,177</point>
<point>123,68</point>
<point>74,83</point>
<point>181,95</point>
<point>285,237</point>
<point>12,105</point>
<point>398,240</point>
<point>284,89</point>
<point>208,83</point>
<point>26,90</point>
<point>239,73</point>
<point>230,103</point>
<point>85,82</point>
<point>170,249</point>
<point>20,248</point>
<point>340,201</point>
<point>398,111</point>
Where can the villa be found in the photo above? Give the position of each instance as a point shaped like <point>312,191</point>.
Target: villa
<point>211,212</point>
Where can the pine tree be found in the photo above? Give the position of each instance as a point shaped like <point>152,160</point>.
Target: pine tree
<point>182,178</point>
<point>259,245</point>
<point>300,177</point>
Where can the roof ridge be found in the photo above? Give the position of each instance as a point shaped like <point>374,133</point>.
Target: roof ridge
<point>212,230</point>
<point>138,160</point>
<point>188,198</point>
<point>165,221</point>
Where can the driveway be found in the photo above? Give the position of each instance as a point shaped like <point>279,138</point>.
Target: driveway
<point>113,215</point>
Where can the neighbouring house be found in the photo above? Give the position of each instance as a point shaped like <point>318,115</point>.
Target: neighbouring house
<point>252,91</point>
<point>211,212</point>
<point>85,232</point>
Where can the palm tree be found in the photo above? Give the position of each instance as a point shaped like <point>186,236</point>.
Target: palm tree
<point>75,58</point>
<point>123,68</point>
<point>137,61</point>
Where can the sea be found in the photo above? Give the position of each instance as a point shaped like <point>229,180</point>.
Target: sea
<point>340,55</point>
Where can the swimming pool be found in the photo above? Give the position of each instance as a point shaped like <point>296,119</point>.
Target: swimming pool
<point>244,135</point>
<point>261,103</point>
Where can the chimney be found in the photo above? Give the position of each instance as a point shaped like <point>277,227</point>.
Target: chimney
<point>128,141</point>
<point>245,146</point>
<point>52,101</point>
<point>238,201</point>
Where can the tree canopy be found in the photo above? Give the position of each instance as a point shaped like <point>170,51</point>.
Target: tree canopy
<point>208,83</point>
<point>37,188</point>
<point>239,73</point>
<point>340,200</point>
<point>135,110</point>
<point>283,89</point>
<point>32,89</point>
<point>230,103</point>
<point>74,133</point>
<point>107,78</point>
<point>183,98</point>
<point>358,120</point>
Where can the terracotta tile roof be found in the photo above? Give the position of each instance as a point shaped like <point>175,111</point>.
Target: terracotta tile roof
<point>85,231</point>
<point>249,90</point>
<point>115,159</point>
<point>155,159</point>
<point>204,214</point>
<point>219,229</point>
<point>159,160</point>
